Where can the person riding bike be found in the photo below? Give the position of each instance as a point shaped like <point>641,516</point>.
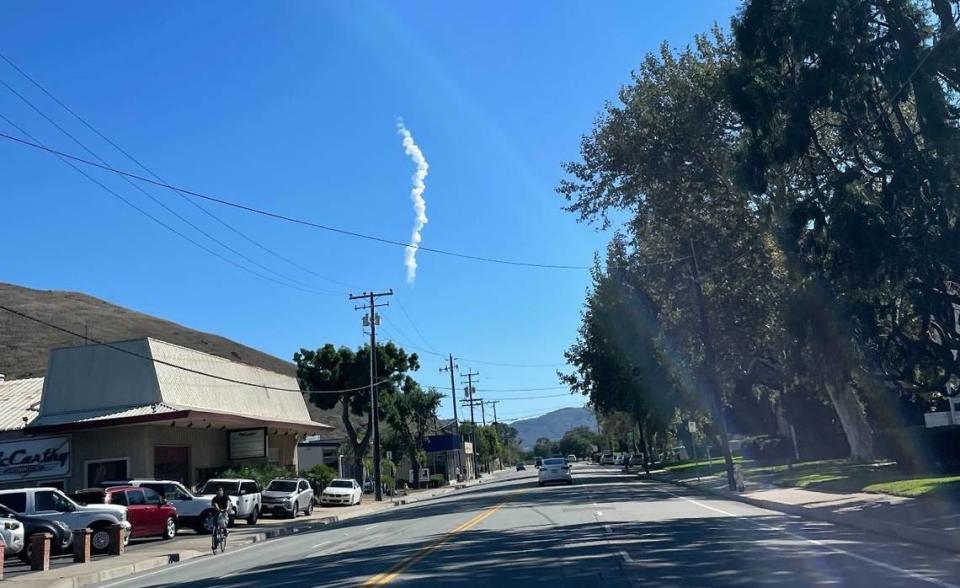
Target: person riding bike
<point>221,502</point>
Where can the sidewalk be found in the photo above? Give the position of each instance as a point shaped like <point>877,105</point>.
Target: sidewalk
<point>929,522</point>
<point>147,554</point>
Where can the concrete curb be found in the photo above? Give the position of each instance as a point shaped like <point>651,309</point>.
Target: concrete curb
<point>918,535</point>
<point>130,569</point>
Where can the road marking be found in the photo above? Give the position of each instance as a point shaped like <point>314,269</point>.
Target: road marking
<point>320,544</point>
<point>863,558</point>
<point>389,576</point>
<point>626,556</point>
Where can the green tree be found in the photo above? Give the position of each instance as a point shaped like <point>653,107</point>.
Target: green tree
<point>545,447</point>
<point>411,413</point>
<point>332,368</point>
<point>579,441</point>
<point>851,111</point>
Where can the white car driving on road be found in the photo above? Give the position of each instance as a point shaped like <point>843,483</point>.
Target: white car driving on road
<point>555,470</point>
<point>342,491</point>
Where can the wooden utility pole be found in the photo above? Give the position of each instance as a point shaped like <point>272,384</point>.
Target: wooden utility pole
<point>456,421</point>
<point>453,394</point>
<point>710,363</point>
<point>374,318</point>
<point>471,402</point>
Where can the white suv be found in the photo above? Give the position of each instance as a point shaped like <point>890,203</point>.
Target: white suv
<point>244,494</point>
<point>192,511</point>
<point>54,505</point>
<point>288,496</point>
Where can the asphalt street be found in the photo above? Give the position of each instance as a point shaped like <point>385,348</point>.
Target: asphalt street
<point>608,529</point>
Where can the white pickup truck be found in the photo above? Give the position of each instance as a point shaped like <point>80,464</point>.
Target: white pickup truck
<point>244,494</point>
<point>54,505</point>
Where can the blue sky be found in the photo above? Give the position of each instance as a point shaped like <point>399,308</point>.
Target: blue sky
<point>292,107</point>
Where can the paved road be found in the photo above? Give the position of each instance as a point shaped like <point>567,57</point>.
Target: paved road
<point>606,530</point>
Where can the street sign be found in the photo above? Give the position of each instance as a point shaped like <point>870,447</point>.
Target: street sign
<point>692,426</point>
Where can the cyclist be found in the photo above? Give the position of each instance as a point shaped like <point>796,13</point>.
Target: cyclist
<point>221,502</point>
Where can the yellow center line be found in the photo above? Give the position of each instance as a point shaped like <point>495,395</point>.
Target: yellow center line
<point>388,576</point>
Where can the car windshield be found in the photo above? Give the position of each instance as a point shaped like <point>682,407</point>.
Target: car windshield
<point>341,484</point>
<point>554,462</point>
<point>282,486</point>
<point>229,488</point>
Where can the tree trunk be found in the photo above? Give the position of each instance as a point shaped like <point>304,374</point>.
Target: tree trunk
<point>359,445</point>
<point>853,419</point>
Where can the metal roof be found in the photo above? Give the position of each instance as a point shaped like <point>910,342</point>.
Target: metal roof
<point>134,378</point>
<point>19,399</point>
<point>103,414</point>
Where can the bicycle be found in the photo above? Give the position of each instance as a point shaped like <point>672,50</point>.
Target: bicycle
<point>220,534</point>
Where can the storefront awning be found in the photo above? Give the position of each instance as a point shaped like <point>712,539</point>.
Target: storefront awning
<point>161,414</point>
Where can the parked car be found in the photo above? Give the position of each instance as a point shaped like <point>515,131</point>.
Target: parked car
<point>342,491</point>
<point>606,459</point>
<point>192,510</point>
<point>521,466</point>
<point>554,470</point>
<point>538,463</point>
<point>288,496</point>
<point>62,535</point>
<point>367,487</point>
<point>149,513</point>
<point>244,494</point>
<point>572,458</point>
<point>618,459</point>
<point>53,505</point>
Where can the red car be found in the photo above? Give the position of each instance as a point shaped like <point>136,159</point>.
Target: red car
<point>149,514</point>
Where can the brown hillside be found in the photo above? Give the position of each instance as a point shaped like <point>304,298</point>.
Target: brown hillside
<point>24,345</point>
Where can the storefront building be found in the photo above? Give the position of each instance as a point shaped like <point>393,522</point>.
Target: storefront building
<point>145,408</point>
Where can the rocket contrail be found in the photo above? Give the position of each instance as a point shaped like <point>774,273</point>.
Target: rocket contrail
<point>416,194</point>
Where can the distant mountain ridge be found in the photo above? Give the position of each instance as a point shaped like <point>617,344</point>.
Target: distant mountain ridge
<point>553,425</point>
<point>24,345</point>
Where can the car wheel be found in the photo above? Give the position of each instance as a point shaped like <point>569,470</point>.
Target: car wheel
<point>26,554</point>
<point>170,528</point>
<point>206,523</point>
<point>309,510</point>
<point>252,519</point>
<point>100,539</point>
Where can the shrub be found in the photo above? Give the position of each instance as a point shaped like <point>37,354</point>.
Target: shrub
<point>319,476</point>
<point>262,474</point>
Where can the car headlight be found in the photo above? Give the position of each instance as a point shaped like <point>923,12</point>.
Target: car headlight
<point>11,525</point>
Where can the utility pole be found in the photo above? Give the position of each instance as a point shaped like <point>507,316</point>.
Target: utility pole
<point>373,319</point>
<point>453,394</point>
<point>710,359</point>
<point>456,421</point>
<point>483,412</point>
<point>471,402</point>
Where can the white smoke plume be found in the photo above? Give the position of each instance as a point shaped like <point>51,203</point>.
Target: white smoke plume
<point>416,195</point>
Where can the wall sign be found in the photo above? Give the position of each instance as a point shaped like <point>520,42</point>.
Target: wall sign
<point>247,444</point>
<point>32,459</point>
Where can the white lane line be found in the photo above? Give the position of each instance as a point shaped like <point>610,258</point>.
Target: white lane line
<point>319,544</point>
<point>372,527</point>
<point>857,556</point>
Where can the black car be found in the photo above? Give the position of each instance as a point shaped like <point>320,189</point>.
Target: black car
<point>62,536</point>
<point>521,466</point>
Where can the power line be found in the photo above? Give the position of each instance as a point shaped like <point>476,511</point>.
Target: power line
<point>513,365</point>
<point>413,324</point>
<point>155,175</point>
<point>162,223</point>
<point>299,221</point>
<point>156,200</point>
<point>179,367</point>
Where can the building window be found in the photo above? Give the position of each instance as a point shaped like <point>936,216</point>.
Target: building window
<point>101,470</point>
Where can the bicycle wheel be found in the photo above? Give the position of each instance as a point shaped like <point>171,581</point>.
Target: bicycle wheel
<point>216,539</point>
<point>223,541</point>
